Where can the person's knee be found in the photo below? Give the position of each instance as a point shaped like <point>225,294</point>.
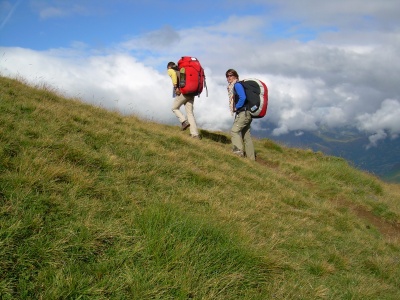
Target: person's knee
<point>236,130</point>
<point>235,133</point>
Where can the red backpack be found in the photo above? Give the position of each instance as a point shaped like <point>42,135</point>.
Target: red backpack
<point>191,76</point>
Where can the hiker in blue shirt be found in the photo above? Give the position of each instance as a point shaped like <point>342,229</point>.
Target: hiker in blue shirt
<point>242,143</point>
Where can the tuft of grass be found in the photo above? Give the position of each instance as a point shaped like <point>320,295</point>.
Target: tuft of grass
<point>198,258</point>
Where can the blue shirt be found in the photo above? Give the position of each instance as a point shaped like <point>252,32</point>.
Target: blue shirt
<point>239,89</point>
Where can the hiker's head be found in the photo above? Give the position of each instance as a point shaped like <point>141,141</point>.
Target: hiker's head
<point>231,74</point>
<point>172,65</point>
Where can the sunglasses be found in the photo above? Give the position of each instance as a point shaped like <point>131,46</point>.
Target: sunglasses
<point>230,75</point>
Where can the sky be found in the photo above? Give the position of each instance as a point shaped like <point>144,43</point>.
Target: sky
<point>330,64</point>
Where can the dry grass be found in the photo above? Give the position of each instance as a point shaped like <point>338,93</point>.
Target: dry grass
<point>95,205</point>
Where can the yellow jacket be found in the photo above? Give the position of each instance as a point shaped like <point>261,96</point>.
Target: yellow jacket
<point>174,78</point>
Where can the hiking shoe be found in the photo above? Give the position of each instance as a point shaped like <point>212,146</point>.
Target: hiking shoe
<point>185,125</point>
<point>196,136</point>
<point>238,152</point>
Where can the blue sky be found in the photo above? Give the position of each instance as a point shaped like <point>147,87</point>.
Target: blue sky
<point>333,64</point>
<point>41,25</point>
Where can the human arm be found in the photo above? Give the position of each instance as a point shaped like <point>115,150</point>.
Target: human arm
<point>174,78</point>
<point>241,94</point>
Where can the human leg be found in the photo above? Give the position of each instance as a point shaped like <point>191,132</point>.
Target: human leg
<point>236,133</point>
<point>178,102</point>
<point>248,142</point>
<point>189,106</point>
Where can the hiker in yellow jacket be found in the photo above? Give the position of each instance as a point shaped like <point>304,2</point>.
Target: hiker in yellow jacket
<point>180,100</point>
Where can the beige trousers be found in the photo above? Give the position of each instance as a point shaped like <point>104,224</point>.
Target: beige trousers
<point>188,102</point>
<point>240,133</point>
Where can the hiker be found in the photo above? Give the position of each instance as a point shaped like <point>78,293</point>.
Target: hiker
<point>242,144</point>
<point>180,99</point>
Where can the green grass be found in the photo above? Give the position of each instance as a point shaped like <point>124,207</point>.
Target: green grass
<point>96,205</point>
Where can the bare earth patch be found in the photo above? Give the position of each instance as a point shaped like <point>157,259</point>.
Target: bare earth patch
<point>386,228</point>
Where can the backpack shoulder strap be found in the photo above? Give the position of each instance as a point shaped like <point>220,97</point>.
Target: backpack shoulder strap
<point>242,83</point>
<point>177,76</point>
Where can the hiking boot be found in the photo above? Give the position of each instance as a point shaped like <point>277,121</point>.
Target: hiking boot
<point>196,136</point>
<point>238,152</point>
<point>185,125</point>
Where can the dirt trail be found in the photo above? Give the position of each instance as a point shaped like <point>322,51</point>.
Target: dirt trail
<point>391,230</point>
<point>387,229</point>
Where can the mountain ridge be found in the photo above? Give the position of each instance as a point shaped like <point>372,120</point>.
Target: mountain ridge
<point>381,160</point>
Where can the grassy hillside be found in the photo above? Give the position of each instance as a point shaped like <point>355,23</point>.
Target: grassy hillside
<point>96,205</point>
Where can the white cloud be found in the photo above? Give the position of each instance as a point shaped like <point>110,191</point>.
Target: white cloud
<point>51,12</point>
<point>383,122</point>
<point>57,9</point>
<point>115,81</point>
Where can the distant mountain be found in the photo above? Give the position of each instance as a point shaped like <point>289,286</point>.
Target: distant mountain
<point>382,160</point>
<point>394,174</point>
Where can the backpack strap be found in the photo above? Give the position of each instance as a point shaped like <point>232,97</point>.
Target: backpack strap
<point>177,77</point>
<point>237,96</point>
<point>205,85</point>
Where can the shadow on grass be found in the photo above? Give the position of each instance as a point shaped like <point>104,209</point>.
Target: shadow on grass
<point>216,137</point>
